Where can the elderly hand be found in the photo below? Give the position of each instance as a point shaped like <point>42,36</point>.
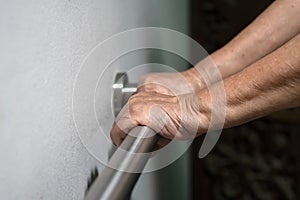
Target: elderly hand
<point>170,116</point>
<point>261,75</point>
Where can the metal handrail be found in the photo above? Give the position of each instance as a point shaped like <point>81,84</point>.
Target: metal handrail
<point>113,184</point>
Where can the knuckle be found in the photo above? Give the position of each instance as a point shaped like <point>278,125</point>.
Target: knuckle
<point>149,78</point>
<point>174,99</point>
<point>133,100</point>
<point>134,104</point>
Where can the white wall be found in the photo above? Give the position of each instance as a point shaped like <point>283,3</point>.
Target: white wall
<point>42,44</point>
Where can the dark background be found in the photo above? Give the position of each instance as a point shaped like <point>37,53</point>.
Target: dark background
<point>258,160</point>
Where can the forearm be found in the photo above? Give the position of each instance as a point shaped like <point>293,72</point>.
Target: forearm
<point>273,28</point>
<point>270,84</point>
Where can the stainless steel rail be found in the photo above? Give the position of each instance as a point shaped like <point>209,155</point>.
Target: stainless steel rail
<point>112,184</point>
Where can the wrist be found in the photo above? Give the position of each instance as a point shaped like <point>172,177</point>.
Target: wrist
<point>194,79</point>
<point>221,64</point>
<point>195,113</point>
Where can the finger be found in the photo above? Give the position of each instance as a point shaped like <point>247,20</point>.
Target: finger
<point>117,135</point>
<point>169,129</point>
<point>123,124</point>
<point>165,133</point>
<point>154,88</point>
<point>124,120</point>
<point>162,142</point>
<point>157,118</point>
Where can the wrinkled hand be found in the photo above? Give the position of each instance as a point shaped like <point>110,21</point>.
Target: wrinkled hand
<point>171,83</point>
<point>170,116</point>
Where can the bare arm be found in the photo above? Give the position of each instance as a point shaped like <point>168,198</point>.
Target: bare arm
<point>262,70</point>
<point>274,27</point>
<point>270,84</point>
<point>270,30</point>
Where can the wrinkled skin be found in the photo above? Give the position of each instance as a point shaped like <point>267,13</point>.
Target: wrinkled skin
<point>173,117</point>
<point>261,74</point>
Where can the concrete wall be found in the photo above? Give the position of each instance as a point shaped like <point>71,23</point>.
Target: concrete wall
<point>42,44</point>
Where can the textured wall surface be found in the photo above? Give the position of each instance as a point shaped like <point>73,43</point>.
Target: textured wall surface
<point>42,44</point>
